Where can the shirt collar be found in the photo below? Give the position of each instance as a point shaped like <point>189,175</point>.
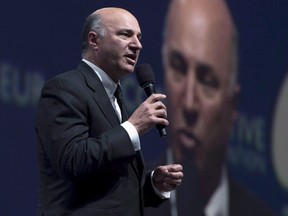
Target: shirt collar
<point>109,85</point>
<point>218,203</point>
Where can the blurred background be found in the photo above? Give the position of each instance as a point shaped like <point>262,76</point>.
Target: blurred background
<point>41,39</point>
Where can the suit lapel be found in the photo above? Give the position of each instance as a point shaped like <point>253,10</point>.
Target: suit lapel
<point>103,101</point>
<point>100,95</point>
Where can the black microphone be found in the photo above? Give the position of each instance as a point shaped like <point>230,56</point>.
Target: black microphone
<point>146,80</point>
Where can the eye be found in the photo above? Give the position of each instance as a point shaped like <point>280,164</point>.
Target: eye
<point>206,75</point>
<point>177,63</point>
<point>125,33</point>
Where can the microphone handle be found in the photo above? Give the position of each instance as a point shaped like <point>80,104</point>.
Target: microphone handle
<point>149,89</point>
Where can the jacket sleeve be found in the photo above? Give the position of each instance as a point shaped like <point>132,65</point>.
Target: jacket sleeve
<point>151,198</point>
<point>63,128</point>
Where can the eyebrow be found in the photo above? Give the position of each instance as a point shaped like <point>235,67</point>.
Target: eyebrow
<point>205,65</point>
<point>139,34</point>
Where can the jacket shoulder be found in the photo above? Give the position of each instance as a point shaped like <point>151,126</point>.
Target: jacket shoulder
<point>244,202</point>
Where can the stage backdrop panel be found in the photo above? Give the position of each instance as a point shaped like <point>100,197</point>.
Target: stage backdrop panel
<point>41,39</point>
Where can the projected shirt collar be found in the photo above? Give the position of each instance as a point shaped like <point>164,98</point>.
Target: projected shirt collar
<point>218,203</point>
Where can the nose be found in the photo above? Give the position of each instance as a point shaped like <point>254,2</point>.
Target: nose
<point>136,44</point>
<point>190,100</point>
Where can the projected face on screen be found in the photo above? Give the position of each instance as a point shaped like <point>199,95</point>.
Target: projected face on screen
<point>197,61</point>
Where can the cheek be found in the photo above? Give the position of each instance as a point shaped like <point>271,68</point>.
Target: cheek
<point>115,49</point>
<point>218,123</point>
<point>174,85</point>
<point>215,136</point>
<point>173,90</point>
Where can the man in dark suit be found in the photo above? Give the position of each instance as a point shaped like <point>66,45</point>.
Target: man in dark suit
<point>89,153</point>
<point>200,62</point>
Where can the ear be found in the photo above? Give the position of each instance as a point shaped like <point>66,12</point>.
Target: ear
<point>93,40</point>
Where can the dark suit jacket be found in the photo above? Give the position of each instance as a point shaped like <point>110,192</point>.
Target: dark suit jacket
<point>241,203</point>
<point>87,162</point>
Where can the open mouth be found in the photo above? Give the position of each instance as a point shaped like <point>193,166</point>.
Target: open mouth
<point>131,58</point>
<point>187,139</point>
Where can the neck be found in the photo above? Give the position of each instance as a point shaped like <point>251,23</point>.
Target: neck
<point>115,78</point>
<point>209,181</point>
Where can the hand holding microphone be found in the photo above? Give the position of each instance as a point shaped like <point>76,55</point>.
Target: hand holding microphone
<point>152,111</point>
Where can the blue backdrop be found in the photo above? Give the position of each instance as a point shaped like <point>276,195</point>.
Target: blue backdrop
<point>41,39</point>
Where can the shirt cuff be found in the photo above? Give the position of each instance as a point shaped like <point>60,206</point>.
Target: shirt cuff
<point>133,134</point>
<point>163,195</point>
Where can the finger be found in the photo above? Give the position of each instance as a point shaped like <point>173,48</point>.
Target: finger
<point>161,113</point>
<point>173,181</point>
<point>155,97</point>
<point>174,168</point>
<point>176,175</point>
<point>170,187</point>
<point>158,105</point>
<point>167,176</point>
<point>157,119</point>
<point>167,187</point>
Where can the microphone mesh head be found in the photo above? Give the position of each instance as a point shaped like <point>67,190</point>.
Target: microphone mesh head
<point>145,74</point>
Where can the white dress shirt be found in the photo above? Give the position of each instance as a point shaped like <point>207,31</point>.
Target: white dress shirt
<point>110,87</point>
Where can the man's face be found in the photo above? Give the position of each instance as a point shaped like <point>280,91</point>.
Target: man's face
<point>197,62</point>
<point>120,47</point>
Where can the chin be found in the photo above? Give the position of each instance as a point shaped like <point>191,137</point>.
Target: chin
<point>128,68</point>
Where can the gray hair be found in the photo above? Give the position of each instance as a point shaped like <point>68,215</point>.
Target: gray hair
<point>93,23</point>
